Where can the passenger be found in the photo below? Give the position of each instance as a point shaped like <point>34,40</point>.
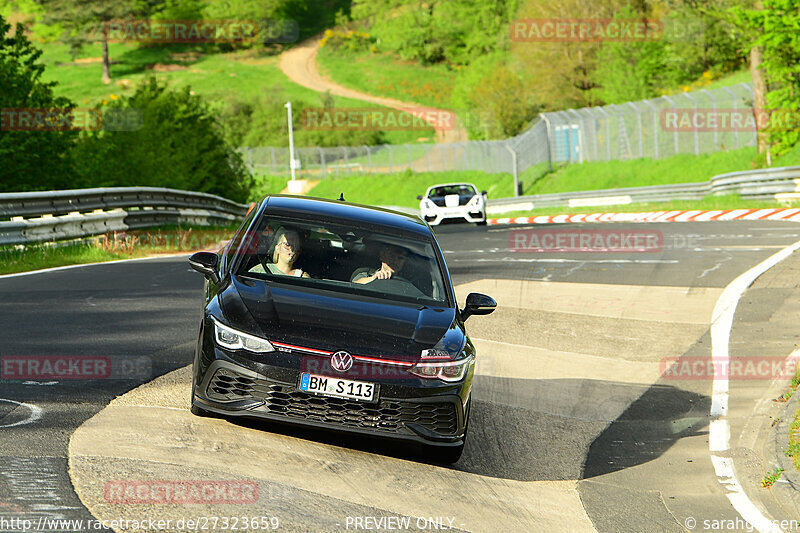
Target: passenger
<point>392,260</point>
<point>285,253</point>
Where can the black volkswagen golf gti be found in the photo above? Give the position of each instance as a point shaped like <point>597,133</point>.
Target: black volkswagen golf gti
<point>338,316</point>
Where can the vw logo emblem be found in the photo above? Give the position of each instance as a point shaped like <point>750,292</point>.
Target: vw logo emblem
<point>341,361</point>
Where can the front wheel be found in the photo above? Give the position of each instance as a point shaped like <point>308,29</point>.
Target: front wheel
<point>199,411</point>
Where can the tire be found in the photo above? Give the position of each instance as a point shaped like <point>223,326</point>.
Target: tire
<point>481,223</point>
<point>199,411</point>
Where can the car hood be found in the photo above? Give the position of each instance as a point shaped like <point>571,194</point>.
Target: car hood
<point>315,320</point>
<point>462,199</point>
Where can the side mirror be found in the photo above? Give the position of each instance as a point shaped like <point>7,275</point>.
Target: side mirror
<point>206,263</point>
<point>484,193</point>
<point>478,304</point>
<point>419,197</point>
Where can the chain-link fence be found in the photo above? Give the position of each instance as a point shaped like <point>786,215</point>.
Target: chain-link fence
<point>691,122</point>
<point>686,123</point>
<point>382,159</point>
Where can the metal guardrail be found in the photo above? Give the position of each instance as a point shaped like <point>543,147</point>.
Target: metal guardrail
<point>774,184</point>
<point>55,215</point>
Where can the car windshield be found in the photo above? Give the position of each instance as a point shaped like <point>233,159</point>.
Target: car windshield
<point>343,258</point>
<point>460,189</point>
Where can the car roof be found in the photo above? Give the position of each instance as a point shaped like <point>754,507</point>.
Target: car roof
<point>304,206</point>
<point>451,185</point>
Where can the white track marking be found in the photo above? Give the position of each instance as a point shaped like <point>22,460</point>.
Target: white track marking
<point>731,215</point>
<point>719,430</point>
<point>33,483</point>
<point>688,215</point>
<point>785,213</point>
<point>559,260</point>
<point>69,267</point>
<point>36,414</point>
<point>758,215</point>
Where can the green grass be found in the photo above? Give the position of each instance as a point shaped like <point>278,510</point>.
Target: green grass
<point>528,177</point>
<point>383,75</point>
<point>793,450</point>
<point>115,246</point>
<point>268,184</point>
<point>735,78</point>
<point>216,77</point>
<point>771,477</point>
<point>39,257</point>
<point>683,168</point>
<point>402,189</point>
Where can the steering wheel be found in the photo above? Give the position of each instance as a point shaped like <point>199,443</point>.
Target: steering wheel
<point>396,282</point>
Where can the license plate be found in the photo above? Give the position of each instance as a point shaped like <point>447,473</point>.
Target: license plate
<point>342,388</point>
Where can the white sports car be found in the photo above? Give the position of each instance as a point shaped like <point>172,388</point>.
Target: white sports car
<point>453,200</point>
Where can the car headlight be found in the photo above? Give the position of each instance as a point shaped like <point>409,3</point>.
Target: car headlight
<point>236,340</point>
<point>427,203</point>
<point>476,200</point>
<point>448,371</point>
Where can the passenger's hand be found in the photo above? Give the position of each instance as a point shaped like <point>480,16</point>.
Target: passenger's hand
<point>382,274</point>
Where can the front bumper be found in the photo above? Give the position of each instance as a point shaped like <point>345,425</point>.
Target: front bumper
<point>436,216</point>
<point>429,415</point>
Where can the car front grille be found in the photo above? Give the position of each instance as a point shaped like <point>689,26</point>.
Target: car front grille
<point>387,415</point>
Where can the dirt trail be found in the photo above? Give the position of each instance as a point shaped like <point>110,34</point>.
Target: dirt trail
<point>300,65</point>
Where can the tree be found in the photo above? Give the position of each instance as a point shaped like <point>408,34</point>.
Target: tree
<point>32,160</point>
<point>179,145</point>
<point>455,31</point>
<point>494,102</point>
<point>562,72</point>
<point>505,102</point>
<point>84,20</point>
<point>696,44</point>
<point>775,64</point>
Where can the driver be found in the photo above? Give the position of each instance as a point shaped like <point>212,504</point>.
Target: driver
<point>392,260</point>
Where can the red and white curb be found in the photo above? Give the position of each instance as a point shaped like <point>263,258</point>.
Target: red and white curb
<point>659,216</point>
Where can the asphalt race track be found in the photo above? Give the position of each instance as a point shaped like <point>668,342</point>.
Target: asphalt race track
<point>580,420</point>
